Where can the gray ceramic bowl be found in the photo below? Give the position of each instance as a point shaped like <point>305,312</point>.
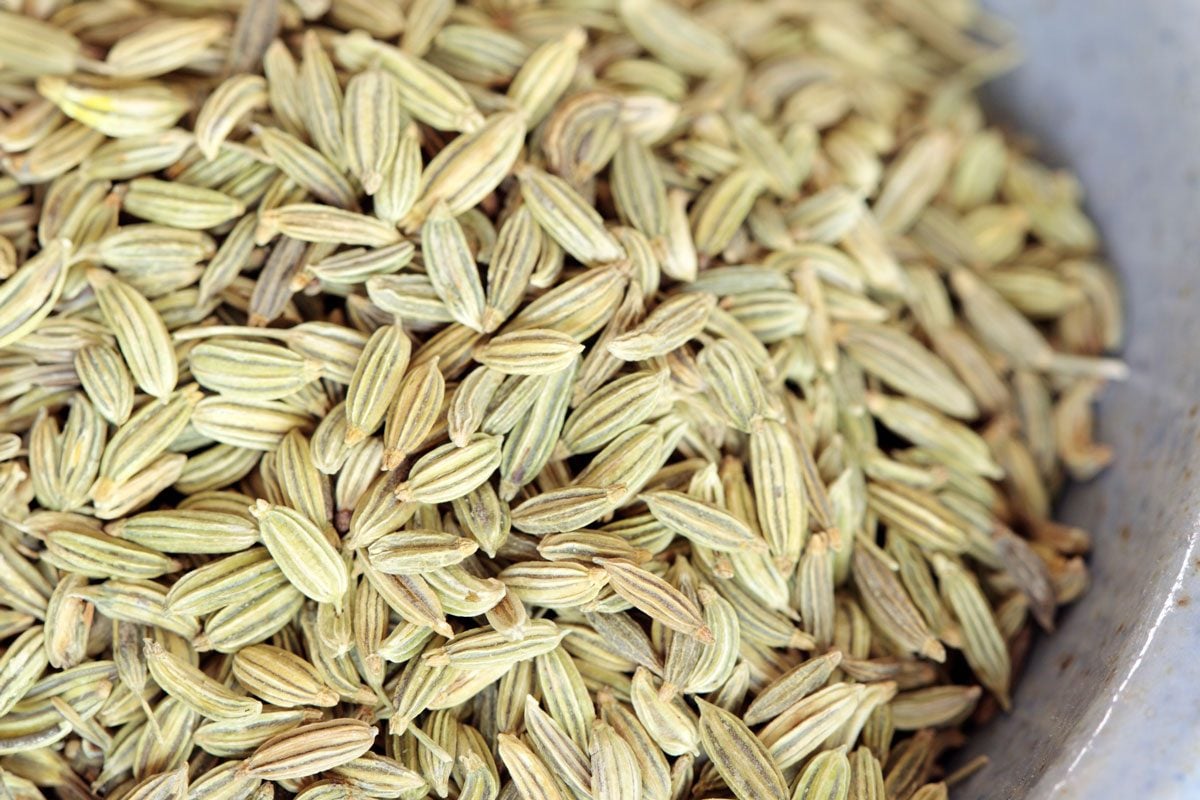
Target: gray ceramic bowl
<point>1109,707</point>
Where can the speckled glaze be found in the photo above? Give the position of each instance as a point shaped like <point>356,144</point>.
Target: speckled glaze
<point>1109,707</point>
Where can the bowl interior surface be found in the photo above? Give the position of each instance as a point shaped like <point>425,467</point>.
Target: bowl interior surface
<point>1109,706</point>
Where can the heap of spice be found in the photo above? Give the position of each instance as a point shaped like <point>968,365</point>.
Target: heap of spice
<point>539,399</point>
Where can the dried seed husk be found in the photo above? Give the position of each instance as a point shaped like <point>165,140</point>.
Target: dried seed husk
<point>530,444</point>
<point>98,555</point>
<point>21,665</point>
<point>302,552</point>
<point>463,173</point>
<point>565,695</point>
<point>138,601</point>
<point>281,678</point>
<point>554,584</point>
<point>701,522</point>
<point>656,597</point>
<point>674,729</point>
<point>309,749</point>
<point>529,774</point>
<point>106,380</point>
<point>137,109</point>
<point>567,218</point>
<point>141,439</point>
<point>237,97</point>
<point>162,46</point>
<point>33,47</point>
<point>414,412</point>
<point>312,222</point>
<point>247,370</point>
<point>371,124</point>
<point>250,424</point>
<point>307,167</point>
<point>193,688</point>
<point>375,382</point>
<point>579,306</point>
<point>616,407</point>
<point>670,325</point>
<point>226,582</point>
<point>530,351</point>
<point>827,775</point>
<point>982,644</point>
<point>675,37</point>
<point>413,552</point>
<point>748,769</point>
<point>449,472</point>
<point>140,332</point>
<point>426,92</point>
<point>451,267</point>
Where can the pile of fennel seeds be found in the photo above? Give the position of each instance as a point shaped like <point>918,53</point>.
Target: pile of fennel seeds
<point>544,400</point>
